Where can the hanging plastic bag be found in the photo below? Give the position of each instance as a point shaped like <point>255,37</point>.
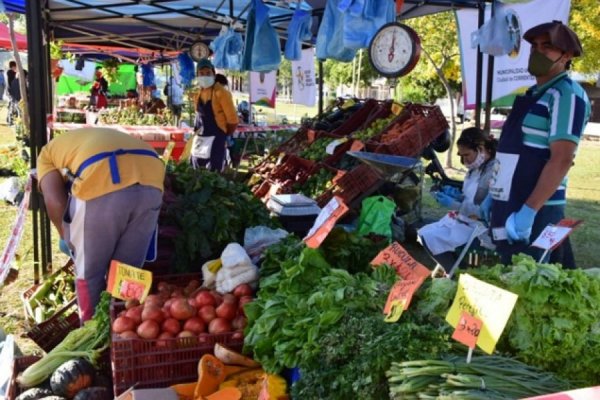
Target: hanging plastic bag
<point>262,49</point>
<point>354,7</point>
<point>359,28</point>
<point>376,216</point>
<point>298,31</point>
<point>494,37</point>
<point>227,48</point>
<point>258,238</point>
<point>330,39</point>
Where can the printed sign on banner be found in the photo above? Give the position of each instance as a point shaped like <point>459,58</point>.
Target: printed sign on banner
<point>304,88</point>
<point>126,282</point>
<point>263,88</point>
<point>397,257</point>
<point>486,302</point>
<point>510,71</point>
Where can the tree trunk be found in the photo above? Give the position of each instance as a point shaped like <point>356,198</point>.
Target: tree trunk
<point>450,93</point>
<point>22,79</point>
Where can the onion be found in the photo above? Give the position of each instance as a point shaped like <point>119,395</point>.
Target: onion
<point>205,298</point>
<point>219,325</point>
<point>227,311</point>
<point>207,313</point>
<point>128,335</point>
<point>171,325</point>
<point>123,324</point>
<point>154,313</point>
<point>239,323</point>
<point>194,325</point>
<point>229,298</point>
<point>242,290</point>
<point>148,329</point>
<point>181,310</point>
<point>135,313</point>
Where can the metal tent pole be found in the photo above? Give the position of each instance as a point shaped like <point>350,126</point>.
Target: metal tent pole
<point>38,99</point>
<point>479,79</point>
<point>489,87</point>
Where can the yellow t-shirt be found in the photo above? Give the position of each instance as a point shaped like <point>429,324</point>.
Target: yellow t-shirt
<point>72,148</point>
<point>222,105</point>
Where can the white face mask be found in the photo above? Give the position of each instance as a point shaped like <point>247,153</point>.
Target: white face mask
<point>206,81</point>
<point>478,162</point>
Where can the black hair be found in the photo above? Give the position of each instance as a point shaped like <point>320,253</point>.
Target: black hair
<point>12,64</point>
<point>473,138</point>
<point>222,79</point>
<point>568,65</point>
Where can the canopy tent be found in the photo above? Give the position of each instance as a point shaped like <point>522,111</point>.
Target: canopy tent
<point>5,42</point>
<point>157,26</point>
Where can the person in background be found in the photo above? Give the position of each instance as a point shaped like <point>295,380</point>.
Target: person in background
<point>174,92</point>
<point>99,91</point>
<point>537,148</point>
<point>14,91</point>
<point>11,74</point>
<point>477,152</point>
<point>216,117</point>
<point>103,190</point>
<point>2,84</point>
<point>155,104</point>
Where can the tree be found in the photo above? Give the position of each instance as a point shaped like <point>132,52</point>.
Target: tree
<point>339,73</point>
<point>284,76</point>
<point>439,64</point>
<point>585,20</point>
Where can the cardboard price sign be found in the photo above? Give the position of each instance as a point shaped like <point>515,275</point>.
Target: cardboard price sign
<point>400,297</point>
<point>488,303</point>
<point>325,222</point>
<point>553,235</point>
<point>467,330</point>
<point>126,282</point>
<point>397,257</point>
<point>168,150</point>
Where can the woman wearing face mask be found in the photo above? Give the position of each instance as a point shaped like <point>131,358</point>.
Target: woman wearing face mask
<point>216,117</point>
<point>477,152</point>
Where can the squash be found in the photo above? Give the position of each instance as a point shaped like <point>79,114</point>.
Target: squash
<point>71,377</point>
<point>231,357</point>
<point>274,387</point>
<point>225,394</point>
<point>34,394</point>
<point>211,373</point>
<point>93,393</point>
<point>185,391</point>
<point>248,382</point>
<point>234,369</point>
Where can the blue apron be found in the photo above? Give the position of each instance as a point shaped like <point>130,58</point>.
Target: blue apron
<point>116,179</point>
<point>208,121</point>
<point>522,166</point>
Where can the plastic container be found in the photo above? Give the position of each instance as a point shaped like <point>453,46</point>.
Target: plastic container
<point>290,205</point>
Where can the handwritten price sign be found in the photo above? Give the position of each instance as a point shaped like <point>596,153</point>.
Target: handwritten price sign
<point>553,235</point>
<point>400,297</point>
<point>467,330</point>
<point>126,282</point>
<point>397,257</point>
<point>325,222</point>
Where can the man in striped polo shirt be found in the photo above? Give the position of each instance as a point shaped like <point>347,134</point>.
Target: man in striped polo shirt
<point>537,147</point>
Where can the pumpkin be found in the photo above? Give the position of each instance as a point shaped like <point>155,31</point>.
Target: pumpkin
<point>34,394</point>
<point>274,387</point>
<point>248,382</point>
<point>224,394</point>
<point>211,373</point>
<point>185,391</point>
<point>230,357</point>
<point>71,377</point>
<point>93,393</point>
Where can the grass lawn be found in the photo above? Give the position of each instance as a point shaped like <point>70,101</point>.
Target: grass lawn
<point>584,203</point>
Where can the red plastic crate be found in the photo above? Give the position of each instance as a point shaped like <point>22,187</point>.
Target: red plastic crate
<point>298,142</point>
<point>357,119</point>
<point>160,363</point>
<point>352,185</point>
<point>293,168</point>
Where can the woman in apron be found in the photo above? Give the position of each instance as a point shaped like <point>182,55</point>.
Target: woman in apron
<point>216,118</point>
<point>477,152</point>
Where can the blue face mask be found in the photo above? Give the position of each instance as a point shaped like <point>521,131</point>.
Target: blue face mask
<point>206,81</point>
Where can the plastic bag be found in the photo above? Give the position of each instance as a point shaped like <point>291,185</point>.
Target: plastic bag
<point>234,255</point>
<point>262,49</point>
<point>258,238</point>
<point>330,39</point>
<point>360,27</point>
<point>227,280</point>
<point>376,216</point>
<point>298,31</point>
<point>494,37</point>
<point>228,48</point>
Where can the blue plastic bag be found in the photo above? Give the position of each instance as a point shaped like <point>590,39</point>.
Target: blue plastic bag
<point>298,31</point>
<point>227,49</point>
<point>262,49</point>
<point>330,39</point>
<point>359,28</point>
<point>494,37</point>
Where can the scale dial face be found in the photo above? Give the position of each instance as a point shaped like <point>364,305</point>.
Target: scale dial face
<point>198,51</point>
<point>394,50</point>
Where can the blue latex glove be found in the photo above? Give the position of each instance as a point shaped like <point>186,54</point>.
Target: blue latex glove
<point>485,208</point>
<point>64,248</point>
<point>452,191</point>
<point>518,225</point>
<point>444,200</point>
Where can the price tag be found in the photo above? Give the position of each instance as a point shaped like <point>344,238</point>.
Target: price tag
<point>126,282</point>
<point>397,307</point>
<point>325,222</point>
<point>330,149</point>
<point>402,293</point>
<point>553,235</point>
<point>467,330</point>
<point>397,108</point>
<point>488,303</point>
<point>168,150</point>
<point>577,394</point>
<point>397,257</point>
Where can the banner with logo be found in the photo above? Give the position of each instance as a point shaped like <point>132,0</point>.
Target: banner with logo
<point>510,71</point>
<point>263,88</point>
<point>304,88</point>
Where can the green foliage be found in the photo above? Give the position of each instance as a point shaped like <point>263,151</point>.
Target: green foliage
<point>585,21</point>
<point>211,212</point>
<point>110,70</point>
<point>349,251</point>
<point>339,73</point>
<point>316,184</point>
<point>555,324</point>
